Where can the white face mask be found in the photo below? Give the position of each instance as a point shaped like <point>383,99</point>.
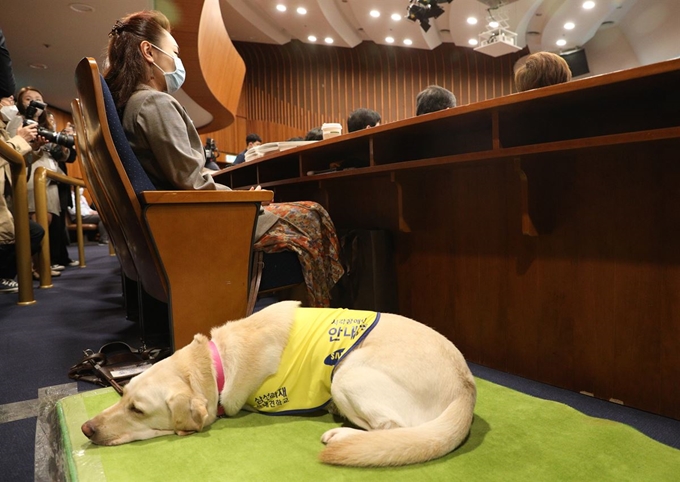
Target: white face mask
<point>9,112</point>
<point>175,79</point>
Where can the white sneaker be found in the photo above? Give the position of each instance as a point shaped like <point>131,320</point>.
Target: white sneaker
<point>8,286</point>
<point>57,267</point>
<point>73,263</point>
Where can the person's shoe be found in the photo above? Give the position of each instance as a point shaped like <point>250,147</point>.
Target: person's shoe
<point>103,243</point>
<point>8,286</point>
<point>73,262</point>
<point>54,274</point>
<point>57,267</point>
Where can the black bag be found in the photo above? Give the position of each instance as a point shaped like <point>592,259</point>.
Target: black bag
<point>115,364</point>
<point>370,279</point>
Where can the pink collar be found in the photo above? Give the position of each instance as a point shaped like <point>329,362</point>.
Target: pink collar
<point>217,361</point>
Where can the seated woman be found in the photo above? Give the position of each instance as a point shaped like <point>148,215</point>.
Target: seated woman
<point>541,70</point>
<point>143,69</point>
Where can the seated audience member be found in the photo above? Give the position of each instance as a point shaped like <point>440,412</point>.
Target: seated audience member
<point>252,140</point>
<point>433,99</point>
<point>88,215</point>
<point>143,69</point>
<point>362,119</point>
<point>315,134</point>
<point>295,139</point>
<point>541,70</point>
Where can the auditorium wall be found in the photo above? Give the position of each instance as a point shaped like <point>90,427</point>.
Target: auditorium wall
<point>292,88</point>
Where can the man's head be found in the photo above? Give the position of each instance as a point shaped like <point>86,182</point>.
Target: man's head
<point>541,70</point>
<point>362,119</point>
<point>252,140</point>
<point>315,134</point>
<point>434,98</point>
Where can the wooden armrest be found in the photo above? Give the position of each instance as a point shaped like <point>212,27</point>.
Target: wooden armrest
<point>184,197</point>
<point>65,179</point>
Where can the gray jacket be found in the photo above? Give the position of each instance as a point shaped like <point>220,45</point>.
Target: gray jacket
<point>169,148</point>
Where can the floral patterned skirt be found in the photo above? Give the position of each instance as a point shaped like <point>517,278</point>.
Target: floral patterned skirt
<point>306,228</point>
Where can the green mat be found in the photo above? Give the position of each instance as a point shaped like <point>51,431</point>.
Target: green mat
<point>515,437</point>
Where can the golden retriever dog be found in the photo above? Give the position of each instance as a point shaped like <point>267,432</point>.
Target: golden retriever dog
<point>405,385</point>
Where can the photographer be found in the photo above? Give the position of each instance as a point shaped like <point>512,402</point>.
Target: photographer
<point>20,143</point>
<point>52,157</point>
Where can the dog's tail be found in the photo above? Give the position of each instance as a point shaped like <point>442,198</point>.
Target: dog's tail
<point>407,445</point>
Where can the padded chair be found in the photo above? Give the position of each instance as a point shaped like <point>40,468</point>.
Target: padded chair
<point>166,232</point>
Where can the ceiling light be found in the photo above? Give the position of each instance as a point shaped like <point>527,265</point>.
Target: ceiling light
<point>328,40</point>
<point>38,66</point>
<point>396,17</point>
<point>81,7</point>
<point>569,26</point>
<point>389,40</point>
<point>473,41</point>
<point>301,10</point>
<point>494,24</point>
<point>374,13</point>
<point>561,42</point>
<point>311,38</point>
<point>408,41</point>
<point>472,20</point>
<point>588,5</point>
<point>281,8</point>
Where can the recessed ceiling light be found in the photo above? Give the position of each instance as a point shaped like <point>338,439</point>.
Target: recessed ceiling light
<point>38,66</point>
<point>561,42</point>
<point>473,41</point>
<point>374,13</point>
<point>81,7</point>
<point>389,40</point>
<point>301,10</point>
<point>569,26</point>
<point>281,8</point>
<point>588,5</point>
<point>408,41</point>
<point>472,20</point>
<point>311,38</point>
<point>328,40</point>
<point>396,17</point>
<point>494,24</point>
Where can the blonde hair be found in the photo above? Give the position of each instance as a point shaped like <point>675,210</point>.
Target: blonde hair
<point>541,70</point>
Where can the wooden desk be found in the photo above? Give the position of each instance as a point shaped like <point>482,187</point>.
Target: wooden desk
<point>539,231</point>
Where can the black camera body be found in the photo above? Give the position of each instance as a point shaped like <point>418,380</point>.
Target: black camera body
<point>60,138</point>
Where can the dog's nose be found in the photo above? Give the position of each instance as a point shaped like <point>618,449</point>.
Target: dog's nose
<point>87,429</point>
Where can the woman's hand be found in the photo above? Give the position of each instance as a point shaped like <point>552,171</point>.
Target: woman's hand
<point>7,101</point>
<point>29,132</point>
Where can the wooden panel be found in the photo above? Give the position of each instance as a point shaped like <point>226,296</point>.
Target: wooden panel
<point>215,86</point>
<point>302,86</point>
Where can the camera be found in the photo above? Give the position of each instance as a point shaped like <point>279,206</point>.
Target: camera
<point>60,138</point>
<point>211,154</point>
<point>210,149</point>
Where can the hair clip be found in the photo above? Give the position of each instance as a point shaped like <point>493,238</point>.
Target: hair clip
<point>117,28</point>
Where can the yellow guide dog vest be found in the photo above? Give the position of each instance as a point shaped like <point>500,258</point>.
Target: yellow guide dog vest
<point>319,339</point>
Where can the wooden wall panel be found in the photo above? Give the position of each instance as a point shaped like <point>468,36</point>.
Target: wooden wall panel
<point>301,86</point>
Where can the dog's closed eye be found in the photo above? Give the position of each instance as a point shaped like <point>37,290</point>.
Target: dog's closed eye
<point>134,409</point>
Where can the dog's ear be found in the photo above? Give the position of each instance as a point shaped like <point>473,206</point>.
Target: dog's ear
<point>189,413</point>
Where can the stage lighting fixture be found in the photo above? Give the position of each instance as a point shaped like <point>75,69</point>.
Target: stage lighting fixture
<point>423,10</point>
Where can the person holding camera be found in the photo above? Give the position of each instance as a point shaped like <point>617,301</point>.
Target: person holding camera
<point>52,156</point>
<point>20,142</point>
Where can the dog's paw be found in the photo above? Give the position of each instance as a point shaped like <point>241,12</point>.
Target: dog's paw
<point>336,434</point>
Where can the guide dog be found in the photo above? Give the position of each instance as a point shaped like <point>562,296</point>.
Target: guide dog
<point>406,385</point>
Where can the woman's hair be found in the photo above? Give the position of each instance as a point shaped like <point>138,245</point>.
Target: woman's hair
<point>541,70</point>
<point>126,67</point>
<point>44,118</point>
